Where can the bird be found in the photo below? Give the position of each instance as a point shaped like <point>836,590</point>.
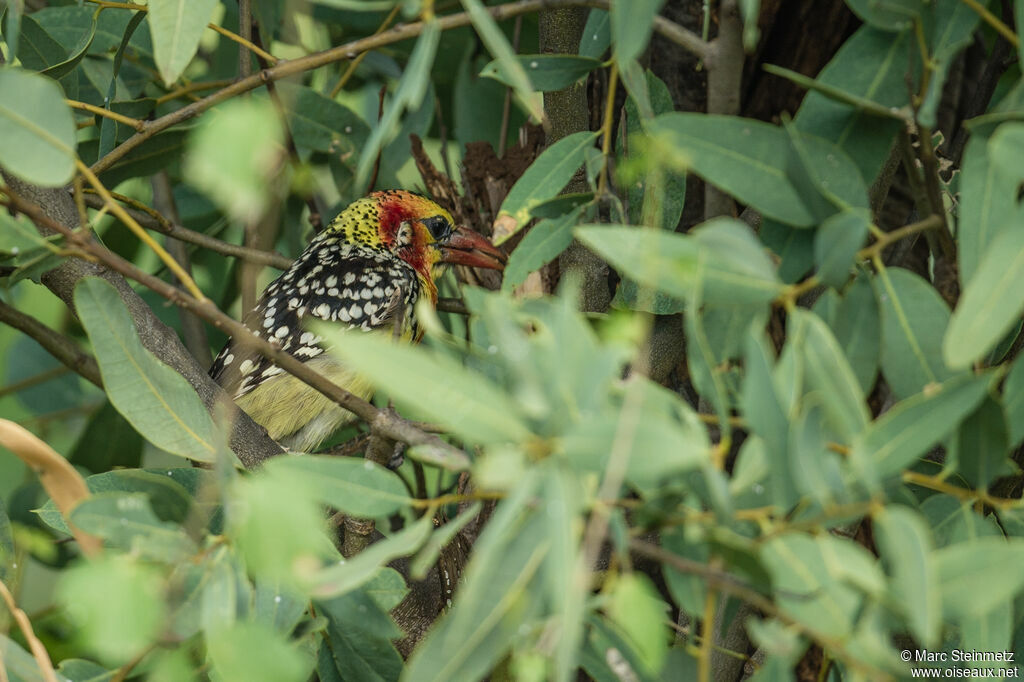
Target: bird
<point>366,270</point>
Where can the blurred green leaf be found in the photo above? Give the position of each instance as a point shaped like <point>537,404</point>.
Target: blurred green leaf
<point>825,178</point>
<point>805,578</point>
<point>952,28</point>
<point>108,441</point>
<point>177,26</point>
<point>857,328</point>
<point>69,24</point>
<point>350,574</point>
<point>427,557</point>
<point>157,400</point>
<point>635,606</point>
<point>254,652</point>
<point>541,245</point>
<point>126,521</point>
<point>7,551</point>
<point>498,593</point>
<point>827,372</point>
<point>321,124</point>
<point>79,670</point>
<point>358,641</point>
<point>544,179</point>
<point>234,156</point>
<point>905,544</point>
<point>914,319</point>
<point>871,65</point>
<point>631,25</point>
<point>983,447</point>
<point>722,257</point>
<point>37,49</point>
<point>37,128</point>
<point>988,198</point>
<point>836,244</point>
<point>905,432</point>
<point>597,34</point>
<point>973,576</point>
<point>117,603</point>
<point>439,387</point>
<point>546,72</point>
<point>889,15</point>
<point>1013,402</point>
<point>991,303</point>
<point>352,485</point>
<point>21,666</point>
<point>412,88</point>
<point>497,44</point>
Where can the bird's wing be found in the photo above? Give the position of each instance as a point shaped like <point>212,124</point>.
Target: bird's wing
<point>335,282</point>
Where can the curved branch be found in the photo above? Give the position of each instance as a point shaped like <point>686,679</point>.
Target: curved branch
<point>56,344</point>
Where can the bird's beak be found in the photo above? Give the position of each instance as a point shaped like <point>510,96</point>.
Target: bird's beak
<point>466,247</point>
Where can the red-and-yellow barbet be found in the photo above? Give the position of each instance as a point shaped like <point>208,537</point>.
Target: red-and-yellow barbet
<point>365,270</point>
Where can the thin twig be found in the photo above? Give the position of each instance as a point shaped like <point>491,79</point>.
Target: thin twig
<point>144,236</point>
<point>506,110</point>
<point>433,450</point>
<point>34,380</point>
<point>994,21</point>
<point>107,113</point>
<point>245,32</point>
<point>291,67</point>
<point>354,64</point>
<point>154,221</point>
<point>38,650</point>
<point>57,345</point>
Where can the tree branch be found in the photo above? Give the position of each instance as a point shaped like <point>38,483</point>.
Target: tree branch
<point>248,440</point>
<point>56,344</point>
<point>724,61</point>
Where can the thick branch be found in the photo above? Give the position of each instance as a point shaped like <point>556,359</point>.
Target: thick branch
<point>724,62</point>
<point>56,344</point>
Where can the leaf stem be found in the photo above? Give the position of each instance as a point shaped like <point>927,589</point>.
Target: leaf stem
<point>135,123</point>
<point>993,21</point>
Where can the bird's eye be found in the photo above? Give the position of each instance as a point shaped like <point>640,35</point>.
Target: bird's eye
<point>439,226</point>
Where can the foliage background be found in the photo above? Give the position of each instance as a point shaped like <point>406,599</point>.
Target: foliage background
<point>781,440</point>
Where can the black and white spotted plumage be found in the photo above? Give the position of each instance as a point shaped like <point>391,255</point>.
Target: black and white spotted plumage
<point>333,280</point>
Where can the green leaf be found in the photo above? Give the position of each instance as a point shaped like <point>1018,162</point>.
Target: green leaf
<point>497,44</point>
<point>546,72</point>
<point>37,49</point>
<point>870,65</point>
<point>988,197</point>
<point>974,576</point>
<point>158,402</point>
<point>253,651</point>
<point>66,66</point>
<point>856,324</point>
<point>914,319</point>
<point>540,246</point>
<point>352,485</point>
<point>836,244</point>
<point>827,181</point>
<point>8,558</point>
<point>108,441</point>
<point>233,156</point>
<point>545,178</point>
<point>827,371</point>
<point>170,492</point>
<point>436,385</point>
<point>69,24</point>
<point>498,594</point>
<point>722,256</point>
<point>635,606</point>
<point>597,34</point>
<point>983,447</point>
<point>991,303</point>
<point>321,124</point>
<point>358,641</point>
<point>631,25</point>
<point>37,128</point>
<point>412,88</point>
<point>1013,402</point>
<point>805,580</point>
<point>21,666</point>
<point>126,521</point>
<point>905,544</point>
<point>427,557</point>
<point>117,604</point>
<point>177,26</point>
<point>912,426</point>
<point>953,23</point>
<point>888,15</point>
<point>80,670</point>
<point>349,574</point>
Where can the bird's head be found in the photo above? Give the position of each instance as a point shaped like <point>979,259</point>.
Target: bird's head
<point>418,231</point>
